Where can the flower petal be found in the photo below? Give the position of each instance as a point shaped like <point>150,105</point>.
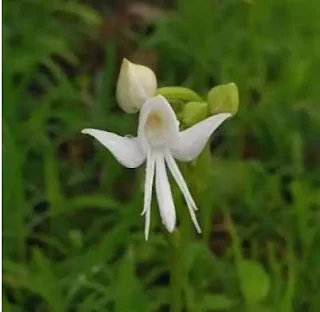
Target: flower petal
<point>147,224</point>
<point>174,169</point>
<point>184,189</point>
<point>161,106</point>
<point>164,195</point>
<point>148,191</point>
<point>192,141</point>
<point>126,150</point>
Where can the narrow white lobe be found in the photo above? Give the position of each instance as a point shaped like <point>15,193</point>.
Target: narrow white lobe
<point>164,195</point>
<point>174,169</point>
<point>184,189</point>
<point>148,184</point>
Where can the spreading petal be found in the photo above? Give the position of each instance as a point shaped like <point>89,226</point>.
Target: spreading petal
<point>184,189</point>
<point>126,150</point>
<point>192,140</point>
<point>148,191</point>
<point>164,195</point>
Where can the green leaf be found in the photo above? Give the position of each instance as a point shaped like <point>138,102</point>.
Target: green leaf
<point>88,15</point>
<point>129,295</point>
<point>254,281</point>
<point>216,302</point>
<point>5,304</point>
<point>52,179</point>
<point>44,282</point>
<point>97,200</point>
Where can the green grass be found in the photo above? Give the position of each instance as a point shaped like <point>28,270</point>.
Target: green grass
<point>72,231</point>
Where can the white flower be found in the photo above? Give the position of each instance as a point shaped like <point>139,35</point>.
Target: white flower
<point>136,84</point>
<point>158,142</point>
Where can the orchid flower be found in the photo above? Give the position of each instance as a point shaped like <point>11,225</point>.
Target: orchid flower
<point>159,143</point>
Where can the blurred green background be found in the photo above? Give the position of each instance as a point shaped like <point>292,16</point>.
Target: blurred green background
<point>72,231</point>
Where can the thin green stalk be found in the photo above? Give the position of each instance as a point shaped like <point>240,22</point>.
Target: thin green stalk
<point>176,273</point>
<point>179,243</point>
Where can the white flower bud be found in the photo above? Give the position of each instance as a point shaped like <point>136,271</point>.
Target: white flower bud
<point>136,84</point>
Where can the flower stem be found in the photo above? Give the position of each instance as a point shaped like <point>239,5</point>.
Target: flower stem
<point>176,273</point>
<point>183,235</point>
<point>180,239</point>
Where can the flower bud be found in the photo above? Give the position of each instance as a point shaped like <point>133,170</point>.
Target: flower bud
<point>193,112</point>
<point>136,83</point>
<point>223,99</point>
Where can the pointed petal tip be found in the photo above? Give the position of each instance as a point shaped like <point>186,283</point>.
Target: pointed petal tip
<point>169,221</point>
<point>170,227</point>
<point>159,96</point>
<point>196,225</point>
<point>146,233</point>
<point>227,115</point>
<point>88,131</point>
<point>125,63</point>
<point>223,116</point>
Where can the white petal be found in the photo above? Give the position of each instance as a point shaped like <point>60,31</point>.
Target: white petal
<point>126,150</point>
<point>194,219</point>
<point>147,224</point>
<point>192,141</point>
<point>148,183</point>
<point>164,195</point>
<point>160,106</point>
<point>148,191</point>
<point>174,169</point>
<point>184,189</point>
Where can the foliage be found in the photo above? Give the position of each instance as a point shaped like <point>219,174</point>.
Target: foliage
<point>72,231</point>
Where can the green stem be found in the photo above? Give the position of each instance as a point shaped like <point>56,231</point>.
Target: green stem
<point>179,241</point>
<point>181,238</point>
<point>176,273</point>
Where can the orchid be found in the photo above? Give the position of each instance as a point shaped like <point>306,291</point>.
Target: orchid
<point>159,143</point>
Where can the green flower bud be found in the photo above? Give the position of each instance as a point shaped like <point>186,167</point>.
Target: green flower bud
<point>223,99</point>
<point>193,112</point>
<point>179,93</point>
